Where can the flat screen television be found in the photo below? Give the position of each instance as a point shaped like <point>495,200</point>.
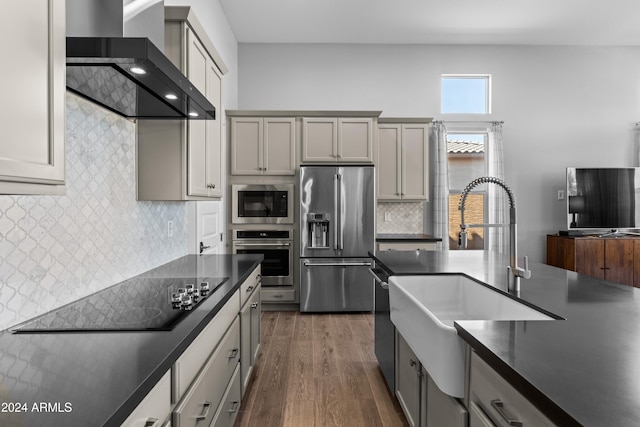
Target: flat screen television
<point>604,199</point>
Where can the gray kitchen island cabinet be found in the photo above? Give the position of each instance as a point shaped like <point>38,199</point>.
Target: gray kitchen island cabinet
<point>402,159</point>
<point>263,145</point>
<point>422,402</point>
<point>182,159</point>
<point>32,158</point>
<point>250,326</point>
<point>494,402</point>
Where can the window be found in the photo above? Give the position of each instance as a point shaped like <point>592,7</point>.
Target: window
<point>466,94</point>
<point>466,162</point>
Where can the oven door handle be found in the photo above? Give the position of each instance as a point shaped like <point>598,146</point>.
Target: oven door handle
<point>271,244</point>
<point>337,264</point>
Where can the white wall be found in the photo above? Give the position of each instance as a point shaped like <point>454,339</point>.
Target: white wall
<point>562,106</point>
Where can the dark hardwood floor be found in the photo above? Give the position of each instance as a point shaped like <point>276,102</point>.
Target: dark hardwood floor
<point>318,370</point>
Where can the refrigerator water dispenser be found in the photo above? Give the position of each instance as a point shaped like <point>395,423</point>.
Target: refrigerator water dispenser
<point>318,230</point>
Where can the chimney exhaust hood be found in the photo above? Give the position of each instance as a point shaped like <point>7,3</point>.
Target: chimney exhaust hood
<point>127,75</point>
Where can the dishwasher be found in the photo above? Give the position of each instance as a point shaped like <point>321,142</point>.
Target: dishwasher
<point>384,329</point>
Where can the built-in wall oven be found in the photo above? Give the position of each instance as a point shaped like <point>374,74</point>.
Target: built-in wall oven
<point>277,248</point>
<point>262,204</point>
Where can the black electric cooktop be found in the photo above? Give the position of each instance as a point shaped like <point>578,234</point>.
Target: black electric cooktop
<point>137,304</point>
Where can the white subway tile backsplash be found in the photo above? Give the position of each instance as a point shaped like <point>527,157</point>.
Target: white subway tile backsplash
<point>55,249</point>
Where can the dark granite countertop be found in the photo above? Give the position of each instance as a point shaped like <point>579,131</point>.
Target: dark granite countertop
<point>95,379</point>
<point>404,237</point>
<point>584,370</point>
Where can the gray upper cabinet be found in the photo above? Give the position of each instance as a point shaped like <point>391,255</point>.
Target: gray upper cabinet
<point>33,127</point>
<point>182,160</point>
<point>263,146</point>
<point>344,139</point>
<point>402,160</point>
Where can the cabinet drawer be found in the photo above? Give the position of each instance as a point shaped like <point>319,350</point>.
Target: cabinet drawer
<point>477,417</point>
<point>499,400</point>
<point>155,407</point>
<point>187,366</point>
<point>228,410</point>
<point>276,295</point>
<point>407,246</point>
<point>248,286</point>
<point>203,398</point>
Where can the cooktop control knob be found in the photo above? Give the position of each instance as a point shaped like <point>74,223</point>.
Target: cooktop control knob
<point>187,302</point>
<point>204,289</point>
<point>176,300</point>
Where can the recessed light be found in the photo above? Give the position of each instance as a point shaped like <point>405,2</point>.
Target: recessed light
<point>193,114</point>
<point>137,70</point>
<point>171,96</point>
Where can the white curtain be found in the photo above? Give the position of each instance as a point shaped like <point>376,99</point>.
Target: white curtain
<point>441,184</point>
<point>498,212</point>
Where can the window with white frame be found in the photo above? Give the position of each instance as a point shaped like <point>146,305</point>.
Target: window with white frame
<point>465,94</point>
<point>466,161</point>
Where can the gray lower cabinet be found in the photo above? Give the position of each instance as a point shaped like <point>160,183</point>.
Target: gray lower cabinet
<point>205,384</point>
<point>495,402</point>
<point>155,408</point>
<point>228,409</point>
<point>422,402</point>
<point>205,396</point>
<point>409,379</point>
<point>250,333</point>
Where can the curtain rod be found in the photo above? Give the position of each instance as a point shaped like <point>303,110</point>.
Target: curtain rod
<point>493,122</point>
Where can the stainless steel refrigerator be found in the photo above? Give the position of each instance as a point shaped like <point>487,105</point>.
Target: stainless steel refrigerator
<point>336,234</point>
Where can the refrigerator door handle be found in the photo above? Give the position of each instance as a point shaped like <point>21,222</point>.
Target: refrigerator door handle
<point>337,264</point>
<point>340,219</point>
<point>336,210</point>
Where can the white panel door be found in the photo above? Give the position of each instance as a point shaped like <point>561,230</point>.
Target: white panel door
<point>209,227</point>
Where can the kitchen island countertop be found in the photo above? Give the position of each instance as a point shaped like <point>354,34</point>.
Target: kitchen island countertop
<point>406,237</point>
<point>584,370</point>
<point>98,378</point>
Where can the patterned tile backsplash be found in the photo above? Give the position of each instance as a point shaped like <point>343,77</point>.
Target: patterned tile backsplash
<point>404,217</point>
<point>56,249</point>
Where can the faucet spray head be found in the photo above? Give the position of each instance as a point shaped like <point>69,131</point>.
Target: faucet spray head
<point>462,239</point>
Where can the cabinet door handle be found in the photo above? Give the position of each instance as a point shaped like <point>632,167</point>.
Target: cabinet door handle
<point>412,362</point>
<point>206,407</point>
<point>233,353</point>
<point>254,305</point>
<point>234,406</point>
<point>151,422</point>
<point>249,289</point>
<point>498,405</point>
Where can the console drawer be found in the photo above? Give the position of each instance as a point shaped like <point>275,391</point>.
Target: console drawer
<point>277,295</point>
<point>203,398</point>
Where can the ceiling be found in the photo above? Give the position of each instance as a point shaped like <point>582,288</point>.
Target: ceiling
<point>518,22</point>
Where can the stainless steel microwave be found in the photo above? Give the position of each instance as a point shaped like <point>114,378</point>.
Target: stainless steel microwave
<point>262,204</point>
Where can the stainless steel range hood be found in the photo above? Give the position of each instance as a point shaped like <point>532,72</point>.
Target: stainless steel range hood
<point>114,58</point>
